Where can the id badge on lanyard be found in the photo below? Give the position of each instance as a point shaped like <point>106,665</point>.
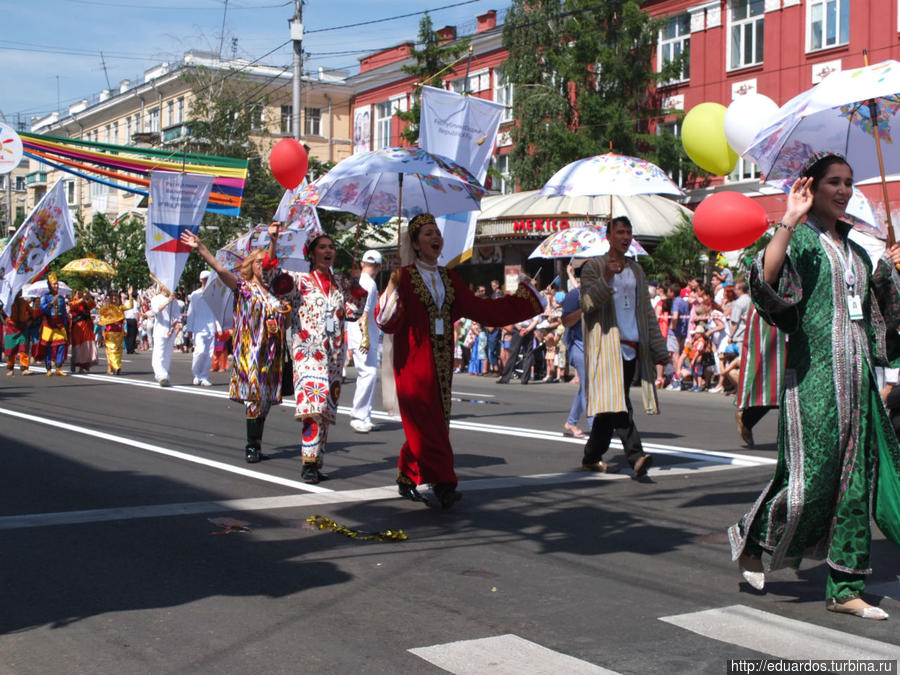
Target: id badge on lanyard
<point>329,318</point>
<point>438,326</point>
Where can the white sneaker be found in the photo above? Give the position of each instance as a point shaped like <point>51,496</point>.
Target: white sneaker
<point>196,381</point>
<point>205,383</point>
<point>360,427</point>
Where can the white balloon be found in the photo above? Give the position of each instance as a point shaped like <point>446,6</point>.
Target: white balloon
<point>747,116</point>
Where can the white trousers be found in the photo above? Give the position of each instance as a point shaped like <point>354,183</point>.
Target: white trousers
<point>366,365</point>
<point>204,342</point>
<point>161,358</point>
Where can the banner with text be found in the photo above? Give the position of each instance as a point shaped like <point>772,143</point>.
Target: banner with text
<point>177,203</point>
<point>45,234</point>
<point>464,129</point>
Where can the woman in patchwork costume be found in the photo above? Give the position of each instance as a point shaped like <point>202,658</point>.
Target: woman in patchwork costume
<point>259,324</point>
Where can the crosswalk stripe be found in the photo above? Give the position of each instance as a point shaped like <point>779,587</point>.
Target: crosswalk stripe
<point>504,655</point>
<point>779,636</point>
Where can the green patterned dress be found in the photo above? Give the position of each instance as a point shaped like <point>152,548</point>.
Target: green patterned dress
<point>838,457</point>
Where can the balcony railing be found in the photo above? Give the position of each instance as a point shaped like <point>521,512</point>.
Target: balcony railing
<point>36,178</point>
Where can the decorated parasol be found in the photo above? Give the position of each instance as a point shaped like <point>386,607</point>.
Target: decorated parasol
<point>89,267</point>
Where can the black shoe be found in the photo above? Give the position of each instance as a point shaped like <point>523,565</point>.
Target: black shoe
<point>311,474</point>
<point>407,489</point>
<point>253,454</point>
<point>446,494</point>
<point>642,464</point>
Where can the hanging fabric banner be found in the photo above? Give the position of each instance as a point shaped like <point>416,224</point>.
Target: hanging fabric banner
<point>464,129</point>
<point>177,203</point>
<point>45,234</point>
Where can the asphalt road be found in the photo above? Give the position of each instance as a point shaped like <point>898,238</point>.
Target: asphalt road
<point>136,540</point>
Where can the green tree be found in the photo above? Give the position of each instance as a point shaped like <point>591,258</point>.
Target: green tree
<point>583,73</point>
<point>120,243</point>
<point>431,62</point>
<point>679,257</point>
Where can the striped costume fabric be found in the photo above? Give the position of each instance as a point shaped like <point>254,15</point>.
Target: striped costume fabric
<point>762,364</point>
<point>602,350</point>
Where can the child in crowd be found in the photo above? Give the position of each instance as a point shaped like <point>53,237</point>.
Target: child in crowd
<point>220,351</point>
<point>693,362</point>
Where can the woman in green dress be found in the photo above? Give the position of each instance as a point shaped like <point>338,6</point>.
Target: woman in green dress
<point>838,457</point>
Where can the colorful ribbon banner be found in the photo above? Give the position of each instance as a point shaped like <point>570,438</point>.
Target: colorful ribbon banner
<point>106,162</point>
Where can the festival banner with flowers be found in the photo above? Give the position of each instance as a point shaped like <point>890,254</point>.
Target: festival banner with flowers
<point>46,234</point>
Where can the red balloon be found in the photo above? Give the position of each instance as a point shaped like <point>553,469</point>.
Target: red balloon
<point>289,162</point>
<point>728,221</point>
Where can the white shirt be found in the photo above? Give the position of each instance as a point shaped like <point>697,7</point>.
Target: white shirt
<point>200,317</point>
<point>354,330</point>
<point>624,286</point>
<point>165,315</point>
<point>433,282</point>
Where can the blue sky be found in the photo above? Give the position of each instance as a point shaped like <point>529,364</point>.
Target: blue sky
<point>50,49</point>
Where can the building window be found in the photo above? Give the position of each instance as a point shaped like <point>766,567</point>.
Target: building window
<point>675,40</point>
<point>179,110</point>
<point>383,116</point>
<point>127,130</point>
<point>745,169</point>
<point>746,32</point>
<point>312,121</point>
<point>137,123</point>
<point>827,23</point>
<point>505,185</point>
<point>115,132</point>
<point>473,84</point>
<point>20,182</point>
<point>503,94</point>
<point>70,192</point>
<point>153,119</point>
<point>107,134</point>
<point>287,119</point>
<point>170,113</point>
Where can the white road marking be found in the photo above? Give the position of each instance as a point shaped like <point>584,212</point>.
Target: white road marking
<point>732,458</point>
<point>504,655</point>
<point>176,454</point>
<point>779,636</point>
<point>320,497</point>
<point>472,393</point>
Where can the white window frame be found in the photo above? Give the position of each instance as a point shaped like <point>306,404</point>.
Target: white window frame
<point>312,121</point>
<point>153,116</point>
<point>127,129</point>
<point>504,93</point>
<point>179,110</point>
<point>115,131</point>
<point>841,29</point>
<point>669,49</point>
<point>745,170</point>
<point>287,120</point>
<point>501,165</point>
<point>107,133</point>
<point>71,192</point>
<point>755,23</point>
<point>384,114</point>
<point>479,81</point>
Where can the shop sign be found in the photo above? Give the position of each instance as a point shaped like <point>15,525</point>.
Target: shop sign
<point>540,225</point>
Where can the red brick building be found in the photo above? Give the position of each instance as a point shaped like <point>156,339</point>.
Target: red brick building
<point>778,48</point>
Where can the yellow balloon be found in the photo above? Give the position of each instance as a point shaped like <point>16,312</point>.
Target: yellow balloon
<point>703,137</point>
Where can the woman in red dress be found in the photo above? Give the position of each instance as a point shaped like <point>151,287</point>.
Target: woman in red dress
<point>419,307</point>
<point>84,346</point>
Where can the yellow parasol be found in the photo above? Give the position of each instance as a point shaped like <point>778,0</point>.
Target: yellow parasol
<point>89,267</point>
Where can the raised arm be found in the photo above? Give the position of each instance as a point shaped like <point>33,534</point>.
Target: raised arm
<point>227,276</point>
<point>798,204</point>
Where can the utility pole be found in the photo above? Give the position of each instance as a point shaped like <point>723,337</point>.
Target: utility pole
<point>296,25</point>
